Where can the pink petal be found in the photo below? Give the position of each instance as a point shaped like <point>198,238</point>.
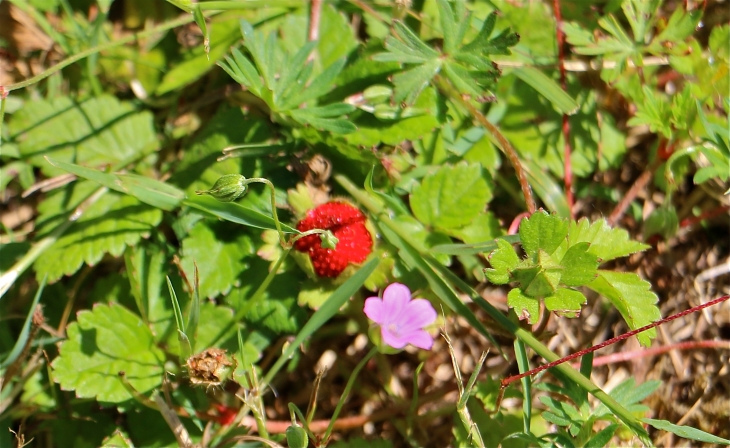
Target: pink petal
<point>392,339</point>
<point>374,309</point>
<point>419,313</point>
<point>395,298</point>
<point>421,339</point>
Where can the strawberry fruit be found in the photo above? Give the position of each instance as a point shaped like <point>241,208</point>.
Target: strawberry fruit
<point>347,223</point>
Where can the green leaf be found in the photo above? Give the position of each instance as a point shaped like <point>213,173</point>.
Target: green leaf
<point>96,132</point>
<point>526,307</point>
<point>474,248</point>
<point>452,197</point>
<point>602,437</point>
<point>685,431</point>
<point>605,243</point>
<point>542,231</point>
<point>109,225</point>
<point>484,227</point>
<point>410,83</point>
<point>662,221</point>
<point>565,302</point>
<point>545,86</point>
<point>633,298</point>
<point>101,344</point>
<point>236,213</point>
<point>22,339</point>
<point>324,314</point>
<point>503,260</point>
<point>220,255</point>
<point>539,280</point>
<point>579,265</point>
<point>150,191</point>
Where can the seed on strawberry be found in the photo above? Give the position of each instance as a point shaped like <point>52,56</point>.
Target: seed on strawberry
<point>347,223</point>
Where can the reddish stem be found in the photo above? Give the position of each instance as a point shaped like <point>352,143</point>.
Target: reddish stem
<point>515,226</point>
<point>692,220</point>
<point>627,356</point>
<point>567,150</point>
<point>507,381</point>
<point>630,195</point>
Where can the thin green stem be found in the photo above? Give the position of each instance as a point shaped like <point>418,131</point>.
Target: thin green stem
<point>261,180</point>
<point>447,89</point>
<point>346,392</point>
<point>86,53</point>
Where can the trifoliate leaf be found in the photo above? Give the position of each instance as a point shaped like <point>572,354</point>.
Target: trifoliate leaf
<point>503,260</point>
<point>96,132</point>
<point>220,251</point>
<point>452,197</point>
<point>109,225</point>
<point>565,302</point>
<point>526,307</point>
<point>542,232</point>
<point>539,280</point>
<point>633,298</point>
<point>579,265</point>
<point>605,243</point>
<point>102,343</point>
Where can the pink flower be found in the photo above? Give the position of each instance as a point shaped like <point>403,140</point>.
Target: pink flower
<point>401,319</point>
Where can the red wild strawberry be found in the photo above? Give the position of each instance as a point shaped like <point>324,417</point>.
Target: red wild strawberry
<point>347,223</point>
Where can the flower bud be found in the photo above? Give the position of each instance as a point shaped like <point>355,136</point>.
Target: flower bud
<point>228,188</point>
<point>296,437</point>
<point>329,240</point>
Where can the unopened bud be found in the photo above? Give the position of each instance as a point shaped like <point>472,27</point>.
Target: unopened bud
<point>228,188</point>
<point>296,437</point>
<point>329,240</point>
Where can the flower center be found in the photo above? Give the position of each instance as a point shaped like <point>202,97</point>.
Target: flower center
<point>394,329</point>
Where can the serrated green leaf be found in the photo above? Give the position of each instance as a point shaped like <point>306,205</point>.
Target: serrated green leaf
<point>565,302</point>
<point>633,298</point>
<point>503,260</point>
<point>686,432</point>
<point>542,231</point>
<point>96,132</point>
<point>452,197</point>
<point>220,252</point>
<point>539,280</point>
<point>318,87</point>
<point>410,83</point>
<point>605,243</point>
<point>109,225</point>
<point>102,343</point>
<point>414,44</point>
<point>526,307</point>
<point>150,191</point>
<point>579,265</point>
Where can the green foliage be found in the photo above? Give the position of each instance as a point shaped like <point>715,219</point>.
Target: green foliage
<point>95,132</point>
<point>452,197</point>
<point>466,65</point>
<point>562,255</point>
<point>576,421</point>
<point>110,224</point>
<point>284,82</point>
<point>392,94</point>
<point>103,343</point>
